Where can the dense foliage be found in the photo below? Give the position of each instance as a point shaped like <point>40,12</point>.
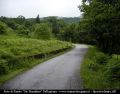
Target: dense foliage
<point>13,49</point>
<point>103,23</point>
<point>2,28</point>
<point>99,71</point>
<point>32,26</point>
<point>42,31</point>
<point>22,39</point>
<point>99,25</point>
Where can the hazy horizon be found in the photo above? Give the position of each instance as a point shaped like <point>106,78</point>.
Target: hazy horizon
<point>45,8</point>
<point>42,17</point>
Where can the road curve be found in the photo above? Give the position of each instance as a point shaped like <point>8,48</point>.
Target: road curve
<point>62,72</point>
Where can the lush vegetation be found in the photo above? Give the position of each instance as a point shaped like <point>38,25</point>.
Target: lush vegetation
<point>17,54</point>
<point>27,42</point>
<point>102,20</point>
<point>99,71</point>
<point>101,25</point>
<point>24,47</point>
<point>50,27</point>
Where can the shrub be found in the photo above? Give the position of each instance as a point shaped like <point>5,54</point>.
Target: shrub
<point>113,69</point>
<point>99,71</point>
<point>5,55</point>
<point>100,58</point>
<point>22,30</point>
<point>43,31</point>
<point>93,66</point>
<point>3,67</point>
<point>2,28</point>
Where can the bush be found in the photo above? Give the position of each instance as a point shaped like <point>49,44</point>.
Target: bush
<point>93,66</point>
<point>100,58</point>
<point>5,55</point>
<point>2,28</point>
<point>22,30</point>
<point>3,67</point>
<point>99,71</point>
<point>113,69</point>
<point>43,31</point>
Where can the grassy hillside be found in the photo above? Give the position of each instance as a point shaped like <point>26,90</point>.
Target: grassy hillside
<point>26,46</point>
<point>17,53</point>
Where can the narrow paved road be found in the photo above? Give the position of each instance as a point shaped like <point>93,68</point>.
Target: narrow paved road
<point>62,72</point>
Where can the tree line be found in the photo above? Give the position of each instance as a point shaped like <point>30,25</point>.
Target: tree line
<point>99,25</point>
<point>101,20</point>
<point>61,28</point>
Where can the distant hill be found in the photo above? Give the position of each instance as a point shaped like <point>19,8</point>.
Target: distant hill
<point>70,19</point>
<point>66,19</point>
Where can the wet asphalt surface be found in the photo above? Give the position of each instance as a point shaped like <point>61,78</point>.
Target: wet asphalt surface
<point>62,72</point>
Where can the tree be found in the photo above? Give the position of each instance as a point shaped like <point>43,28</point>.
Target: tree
<point>103,20</point>
<point>22,30</point>
<point>38,19</point>
<point>54,23</point>
<point>70,33</point>
<point>3,29</point>
<point>42,31</point>
<point>20,19</point>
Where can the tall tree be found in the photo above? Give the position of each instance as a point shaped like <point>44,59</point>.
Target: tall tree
<point>20,19</point>
<point>103,20</point>
<point>55,27</point>
<point>37,19</point>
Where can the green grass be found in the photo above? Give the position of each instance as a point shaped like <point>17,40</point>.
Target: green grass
<point>16,47</point>
<point>11,74</point>
<point>30,63</point>
<point>27,46</point>
<point>97,70</point>
<point>18,54</point>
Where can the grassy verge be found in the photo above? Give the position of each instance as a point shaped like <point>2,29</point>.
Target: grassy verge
<point>21,47</point>
<point>100,71</point>
<point>18,54</point>
<point>30,63</point>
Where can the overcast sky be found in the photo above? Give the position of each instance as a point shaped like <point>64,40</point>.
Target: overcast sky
<point>31,8</point>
